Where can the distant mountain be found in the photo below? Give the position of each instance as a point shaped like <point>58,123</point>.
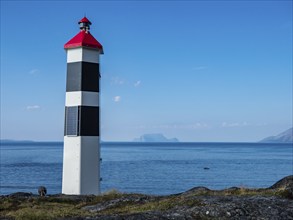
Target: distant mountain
<point>154,138</point>
<point>284,137</point>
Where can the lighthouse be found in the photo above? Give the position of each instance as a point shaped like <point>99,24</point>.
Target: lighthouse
<point>81,155</point>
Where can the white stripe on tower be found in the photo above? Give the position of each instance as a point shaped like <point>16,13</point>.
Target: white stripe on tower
<point>82,54</point>
<point>81,158</point>
<point>82,98</point>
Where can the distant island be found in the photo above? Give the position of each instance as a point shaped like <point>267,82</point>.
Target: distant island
<point>284,137</point>
<point>154,138</point>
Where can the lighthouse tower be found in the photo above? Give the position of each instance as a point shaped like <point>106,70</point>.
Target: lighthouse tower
<point>81,156</point>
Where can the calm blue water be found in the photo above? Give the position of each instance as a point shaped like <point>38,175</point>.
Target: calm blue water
<point>161,168</point>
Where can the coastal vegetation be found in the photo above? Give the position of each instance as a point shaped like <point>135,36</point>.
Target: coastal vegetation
<point>196,203</point>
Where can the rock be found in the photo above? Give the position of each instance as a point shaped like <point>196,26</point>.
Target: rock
<point>275,202</point>
<point>283,183</point>
<point>197,190</point>
<point>289,191</point>
<point>42,191</point>
<point>286,185</point>
<point>20,195</point>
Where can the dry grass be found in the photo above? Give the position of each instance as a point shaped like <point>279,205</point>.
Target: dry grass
<point>38,208</point>
<point>53,207</point>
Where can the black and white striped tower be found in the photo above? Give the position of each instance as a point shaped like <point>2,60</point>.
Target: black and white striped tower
<point>81,156</point>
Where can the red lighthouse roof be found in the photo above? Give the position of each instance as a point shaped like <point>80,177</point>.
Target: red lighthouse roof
<point>84,37</point>
<point>85,20</point>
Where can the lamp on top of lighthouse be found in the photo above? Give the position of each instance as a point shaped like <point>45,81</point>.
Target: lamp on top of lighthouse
<point>84,24</point>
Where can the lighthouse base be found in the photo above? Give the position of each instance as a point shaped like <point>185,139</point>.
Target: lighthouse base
<point>81,165</point>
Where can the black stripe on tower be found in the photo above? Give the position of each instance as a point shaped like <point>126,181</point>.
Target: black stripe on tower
<point>81,121</point>
<point>82,76</point>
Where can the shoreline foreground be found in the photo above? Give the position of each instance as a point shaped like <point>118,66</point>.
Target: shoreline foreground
<point>275,202</point>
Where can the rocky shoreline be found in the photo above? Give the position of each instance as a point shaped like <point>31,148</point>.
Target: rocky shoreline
<point>275,202</point>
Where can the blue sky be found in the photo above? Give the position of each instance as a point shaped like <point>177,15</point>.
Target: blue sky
<point>195,70</point>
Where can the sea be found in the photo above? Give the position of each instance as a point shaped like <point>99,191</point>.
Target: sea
<point>151,168</point>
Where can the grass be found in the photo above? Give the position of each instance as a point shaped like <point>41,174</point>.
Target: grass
<point>114,202</point>
<point>242,191</point>
<point>38,208</point>
<point>162,204</point>
<point>47,208</point>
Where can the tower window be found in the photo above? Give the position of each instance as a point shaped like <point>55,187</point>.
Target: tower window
<point>71,121</point>
<point>81,121</point>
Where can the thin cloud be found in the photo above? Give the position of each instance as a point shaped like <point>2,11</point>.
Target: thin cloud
<point>34,72</point>
<point>193,126</point>
<point>261,124</point>
<point>137,83</point>
<point>198,125</point>
<point>117,81</point>
<point>117,98</point>
<point>32,107</point>
<point>234,124</point>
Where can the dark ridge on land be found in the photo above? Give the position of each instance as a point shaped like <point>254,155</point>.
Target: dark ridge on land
<point>275,202</point>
